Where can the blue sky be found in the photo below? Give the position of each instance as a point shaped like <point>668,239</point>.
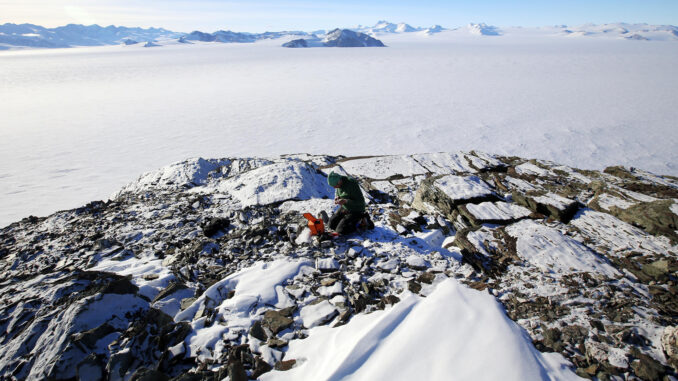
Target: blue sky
<point>259,16</point>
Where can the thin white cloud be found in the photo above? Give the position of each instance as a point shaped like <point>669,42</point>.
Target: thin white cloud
<point>185,15</point>
<point>79,15</point>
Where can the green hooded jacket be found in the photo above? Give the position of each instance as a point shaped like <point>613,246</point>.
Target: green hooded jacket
<point>350,190</point>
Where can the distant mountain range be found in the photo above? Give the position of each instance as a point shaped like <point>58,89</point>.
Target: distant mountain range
<point>35,36</point>
<point>627,31</point>
<point>228,36</point>
<point>29,35</point>
<point>387,27</point>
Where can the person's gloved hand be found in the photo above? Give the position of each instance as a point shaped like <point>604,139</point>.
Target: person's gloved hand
<point>340,201</point>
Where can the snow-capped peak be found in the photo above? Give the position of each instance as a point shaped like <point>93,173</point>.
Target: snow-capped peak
<point>483,29</point>
<point>388,27</point>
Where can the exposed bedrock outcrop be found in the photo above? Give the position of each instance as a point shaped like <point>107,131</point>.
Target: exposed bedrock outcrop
<point>205,269</point>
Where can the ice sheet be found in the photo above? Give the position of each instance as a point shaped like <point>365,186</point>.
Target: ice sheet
<point>80,123</point>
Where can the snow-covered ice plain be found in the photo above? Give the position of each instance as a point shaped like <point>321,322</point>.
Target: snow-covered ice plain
<point>78,124</point>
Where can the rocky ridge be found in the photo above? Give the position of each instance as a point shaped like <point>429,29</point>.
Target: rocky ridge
<point>342,38</point>
<point>204,269</point>
<point>227,36</point>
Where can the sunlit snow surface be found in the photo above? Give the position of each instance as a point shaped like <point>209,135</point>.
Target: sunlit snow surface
<point>78,124</point>
<point>454,334</point>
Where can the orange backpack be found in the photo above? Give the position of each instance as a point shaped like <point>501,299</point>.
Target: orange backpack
<point>317,226</point>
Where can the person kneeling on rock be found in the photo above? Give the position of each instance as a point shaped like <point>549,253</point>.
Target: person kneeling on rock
<point>347,194</point>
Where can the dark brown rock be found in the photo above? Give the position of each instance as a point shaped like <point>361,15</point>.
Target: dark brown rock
<point>502,252</point>
<point>620,172</point>
<point>390,299</point>
<point>274,342</point>
<point>143,374</point>
<point>276,321</point>
<point>657,269</point>
<point>285,365</point>
<point>478,285</point>
<point>427,277</point>
<point>414,286</point>
<point>288,311</point>
<point>90,338</point>
<point>654,217</point>
<point>647,368</point>
<point>552,339</point>
<point>120,286</point>
<point>359,303</point>
<point>260,367</point>
<point>257,331</point>
<point>581,372</point>
<point>215,226</point>
<point>236,372</point>
<point>344,317</point>
<point>574,334</point>
<point>530,201</point>
<point>169,290</point>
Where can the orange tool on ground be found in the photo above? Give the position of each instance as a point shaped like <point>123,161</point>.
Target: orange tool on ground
<point>317,226</point>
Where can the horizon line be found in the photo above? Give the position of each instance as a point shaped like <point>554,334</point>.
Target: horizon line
<point>349,27</point>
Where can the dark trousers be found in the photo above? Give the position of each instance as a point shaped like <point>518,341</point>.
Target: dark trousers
<point>344,222</point>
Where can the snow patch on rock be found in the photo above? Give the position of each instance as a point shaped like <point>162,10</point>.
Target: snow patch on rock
<point>463,187</point>
<point>607,201</point>
<point>252,286</point>
<point>275,183</point>
<point>316,314</point>
<point>532,169</point>
<point>383,167</point>
<point>557,201</point>
<point>497,211</point>
<point>444,163</point>
<point>551,251</point>
<point>617,235</point>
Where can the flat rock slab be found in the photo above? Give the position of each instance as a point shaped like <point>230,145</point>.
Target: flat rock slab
<point>604,202</point>
<point>493,212</point>
<point>416,262</point>
<point>552,252</point>
<point>445,193</point>
<point>444,163</point>
<point>383,167</point>
<point>461,188</point>
<point>532,169</point>
<point>615,236</point>
<point>329,291</point>
<point>326,264</point>
<point>276,321</point>
<point>549,204</point>
<point>317,314</point>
